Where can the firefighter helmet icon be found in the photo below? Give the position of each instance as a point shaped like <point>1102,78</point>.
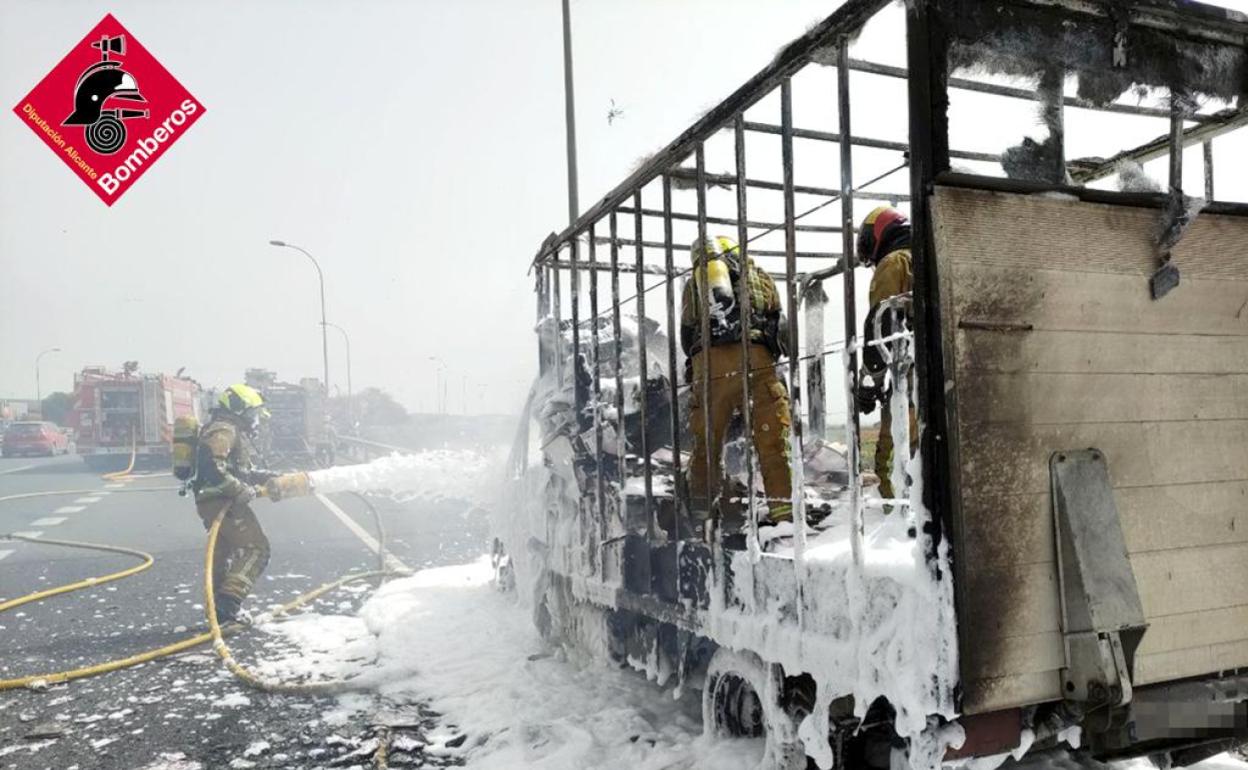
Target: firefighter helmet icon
<point>99,88</point>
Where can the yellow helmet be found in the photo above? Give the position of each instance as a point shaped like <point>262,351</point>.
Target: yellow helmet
<point>715,247</point>
<point>239,398</point>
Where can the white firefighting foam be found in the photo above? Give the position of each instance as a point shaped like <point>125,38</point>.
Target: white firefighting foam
<point>462,474</point>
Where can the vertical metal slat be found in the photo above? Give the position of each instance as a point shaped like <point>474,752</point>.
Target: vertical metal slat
<point>672,332</point>
<point>745,303</point>
<point>600,488</point>
<point>643,367</point>
<point>852,429</point>
<point>620,442</point>
<point>790,277</point>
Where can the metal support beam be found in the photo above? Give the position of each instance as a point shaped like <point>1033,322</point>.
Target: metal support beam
<point>745,303</point>
<point>798,500</point>
<point>853,433</point>
<point>643,374</point>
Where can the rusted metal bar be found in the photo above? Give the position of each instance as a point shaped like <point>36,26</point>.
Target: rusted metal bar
<point>814,298</point>
<point>790,269</point>
<point>862,141</point>
<point>1052,81</point>
<point>849,17</point>
<point>1208,155</point>
<point>600,482</point>
<point>702,286</point>
<point>621,448</point>
<point>673,332</point>
<point>964,84</point>
<point>801,228</point>
<point>1086,170</point>
<point>853,432</point>
<point>575,287</point>
<point>539,289</point>
<point>643,370</point>
<point>746,305</point>
<point>557,313</point>
<point>657,245</point>
<point>1176,148</point>
<point>726,180</point>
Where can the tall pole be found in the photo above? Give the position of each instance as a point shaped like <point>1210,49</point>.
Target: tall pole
<point>569,113</point>
<point>350,401</point>
<point>324,332</point>
<point>439,385</point>
<point>38,384</point>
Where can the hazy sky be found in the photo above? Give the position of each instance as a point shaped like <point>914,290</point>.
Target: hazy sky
<point>416,148</point>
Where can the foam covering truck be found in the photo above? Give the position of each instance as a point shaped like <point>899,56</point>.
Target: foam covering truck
<point>1063,565</point>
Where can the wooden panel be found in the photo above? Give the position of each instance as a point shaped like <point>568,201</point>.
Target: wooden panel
<point>1009,230</point>
<point>1098,352</point>
<point>1160,386</point>
<point>1021,599</point>
<point>994,693</point>
<point>1015,458</point>
<point>1066,300</point>
<point>1020,655</point>
<point>1180,664</point>
<point>1018,529</point>
<point>1174,632</point>
<point>1094,398</point>
<point>1192,580</point>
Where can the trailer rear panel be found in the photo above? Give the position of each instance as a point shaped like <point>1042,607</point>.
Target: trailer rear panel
<point>1052,342</point>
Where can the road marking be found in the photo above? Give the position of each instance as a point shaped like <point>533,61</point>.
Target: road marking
<point>26,533</point>
<point>70,509</point>
<point>15,470</point>
<point>88,500</point>
<point>4,554</point>
<point>114,485</point>
<point>392,562</point>
<point>50,521</point>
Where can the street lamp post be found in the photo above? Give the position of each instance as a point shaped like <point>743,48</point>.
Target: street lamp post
<point>38,384</point>
<point>350,401</point>
<point>438,402</point>
<point>324,332</point>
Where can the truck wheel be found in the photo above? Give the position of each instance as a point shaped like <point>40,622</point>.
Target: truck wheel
<point>740,699</point>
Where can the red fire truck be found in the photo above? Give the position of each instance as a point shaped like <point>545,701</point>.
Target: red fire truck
<point>114,411</point>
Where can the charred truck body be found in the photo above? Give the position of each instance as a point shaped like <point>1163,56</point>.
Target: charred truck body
<point>1064,561</point>
<point>116,413</point>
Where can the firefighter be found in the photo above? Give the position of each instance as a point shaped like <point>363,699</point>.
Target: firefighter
<point>225,479</point>
<point>718,261</point>
<point>884,244</point>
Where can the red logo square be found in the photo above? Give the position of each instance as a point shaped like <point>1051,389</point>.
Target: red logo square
<point>109,110</point>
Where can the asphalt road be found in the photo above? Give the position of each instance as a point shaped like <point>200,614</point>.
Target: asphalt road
<point>186,711</point>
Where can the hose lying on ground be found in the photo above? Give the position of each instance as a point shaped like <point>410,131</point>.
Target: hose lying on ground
<point>134,453</point>
<point>216,633</point>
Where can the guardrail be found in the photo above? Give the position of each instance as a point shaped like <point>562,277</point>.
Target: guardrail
<point>365,450</point>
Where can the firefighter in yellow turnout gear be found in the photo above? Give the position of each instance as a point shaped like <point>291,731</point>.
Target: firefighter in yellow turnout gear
<point>225,478</point>
<point>769,399</point>
<point>884,244</point>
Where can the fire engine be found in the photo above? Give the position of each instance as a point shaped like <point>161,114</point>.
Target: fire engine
<point>118,412</point>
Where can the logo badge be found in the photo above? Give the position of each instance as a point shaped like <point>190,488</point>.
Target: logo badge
<point>109,110</point>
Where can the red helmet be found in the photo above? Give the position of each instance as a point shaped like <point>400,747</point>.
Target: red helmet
<point>875,230</point>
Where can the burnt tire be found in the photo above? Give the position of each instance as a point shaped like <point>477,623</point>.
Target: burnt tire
<point>740,699</point>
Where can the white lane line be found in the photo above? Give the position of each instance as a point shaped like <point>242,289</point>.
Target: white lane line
<point>4,554</point>
<point>392,562</point>
<point>15,470</point>
<point>50,521</point>
<point>88,500</point>
<point>70,509</point>
<point>114,485</point>
<point>27,533</point>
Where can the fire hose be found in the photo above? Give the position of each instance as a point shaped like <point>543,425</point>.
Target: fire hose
<point>134,453</point>
<point>286,486</point>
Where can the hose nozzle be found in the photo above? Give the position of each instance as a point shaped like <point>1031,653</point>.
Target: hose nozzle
<point>288,485</point>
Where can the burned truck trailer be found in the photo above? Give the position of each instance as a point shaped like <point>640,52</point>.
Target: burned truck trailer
<point>1064,560</point>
